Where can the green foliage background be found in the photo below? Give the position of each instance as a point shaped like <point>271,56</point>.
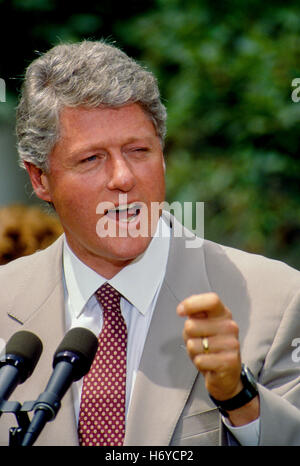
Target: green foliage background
<point>225,71</point>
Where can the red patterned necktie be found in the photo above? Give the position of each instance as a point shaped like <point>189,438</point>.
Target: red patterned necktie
<point>102,407</point>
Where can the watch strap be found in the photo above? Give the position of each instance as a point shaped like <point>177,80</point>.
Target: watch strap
<point>243,397</point>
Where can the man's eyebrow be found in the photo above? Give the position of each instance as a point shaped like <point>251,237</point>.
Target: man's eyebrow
<point>85,148</point>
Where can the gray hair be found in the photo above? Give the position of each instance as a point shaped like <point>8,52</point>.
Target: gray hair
<point>89,74</point>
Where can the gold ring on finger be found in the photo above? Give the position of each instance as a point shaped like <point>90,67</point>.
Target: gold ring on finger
<point>205,345</point>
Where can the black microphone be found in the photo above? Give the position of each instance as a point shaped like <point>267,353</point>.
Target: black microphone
<point>72,360</point>
<point>21,355</point>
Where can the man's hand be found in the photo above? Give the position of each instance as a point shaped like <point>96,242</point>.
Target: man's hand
<point>211,338</point>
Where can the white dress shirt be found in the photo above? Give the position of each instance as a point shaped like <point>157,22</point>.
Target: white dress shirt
<point>83,309</point>
<point>139,283</point>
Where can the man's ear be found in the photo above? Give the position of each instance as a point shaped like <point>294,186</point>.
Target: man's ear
<point>39,181</point>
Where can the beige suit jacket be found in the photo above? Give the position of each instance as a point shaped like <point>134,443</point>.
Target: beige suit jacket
<point>170,405</point>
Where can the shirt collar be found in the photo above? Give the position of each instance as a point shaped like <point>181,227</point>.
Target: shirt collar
<point>138,282</point>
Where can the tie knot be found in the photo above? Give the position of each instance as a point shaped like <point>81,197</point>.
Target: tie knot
<point>108,297</point>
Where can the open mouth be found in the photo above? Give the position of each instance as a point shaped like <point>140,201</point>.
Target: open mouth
<point>124,213</point>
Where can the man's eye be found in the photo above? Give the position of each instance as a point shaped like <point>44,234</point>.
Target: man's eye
<point>90,158</point>
<point>139,149</point>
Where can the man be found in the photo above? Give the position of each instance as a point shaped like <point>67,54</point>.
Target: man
<point>90,134</point>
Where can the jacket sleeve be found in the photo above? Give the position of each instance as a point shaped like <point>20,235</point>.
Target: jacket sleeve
<point>279,385</point>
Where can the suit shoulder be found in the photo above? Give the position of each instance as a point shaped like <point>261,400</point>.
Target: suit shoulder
<point>256,268</point>
<point>19,268</point>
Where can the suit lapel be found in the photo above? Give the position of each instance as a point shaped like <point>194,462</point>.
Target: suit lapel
<point>166,374</point>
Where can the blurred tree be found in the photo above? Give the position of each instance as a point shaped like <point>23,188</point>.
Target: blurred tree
<point>225,71</point>
<point>30,27</point>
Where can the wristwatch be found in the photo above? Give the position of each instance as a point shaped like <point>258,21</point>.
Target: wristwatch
<point>246,394</point>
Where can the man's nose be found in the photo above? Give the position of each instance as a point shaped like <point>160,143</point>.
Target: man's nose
<point>121,175</point>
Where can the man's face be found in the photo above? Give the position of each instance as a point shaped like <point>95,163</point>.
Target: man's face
<point>104,155</point>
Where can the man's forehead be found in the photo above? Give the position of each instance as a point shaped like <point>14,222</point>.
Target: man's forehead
<point>131,115</point>
<point>84,128</point>
<point>77,111</point>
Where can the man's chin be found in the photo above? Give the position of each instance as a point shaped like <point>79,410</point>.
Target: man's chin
<point>128,249</point>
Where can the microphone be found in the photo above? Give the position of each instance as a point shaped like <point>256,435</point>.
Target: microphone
<point>22,353</point>
<point>72,360</point>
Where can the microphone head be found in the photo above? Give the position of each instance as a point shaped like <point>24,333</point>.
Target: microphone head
<point>82,343</point>
<point>23,350</point>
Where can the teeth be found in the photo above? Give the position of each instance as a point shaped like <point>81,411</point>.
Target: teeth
<point>122,208</point>
<point>131,210</point>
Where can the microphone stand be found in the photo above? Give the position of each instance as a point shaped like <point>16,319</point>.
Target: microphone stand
<point>16,434</point>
